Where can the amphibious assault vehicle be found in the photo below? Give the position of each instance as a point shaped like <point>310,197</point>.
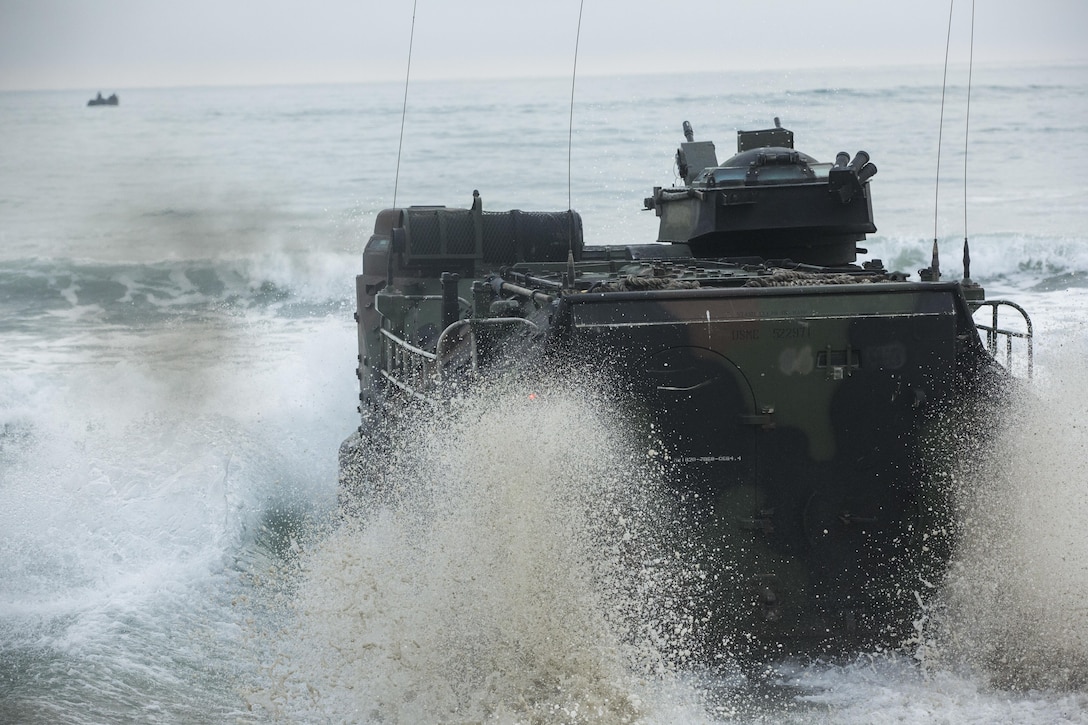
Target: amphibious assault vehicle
<point>811,408</point>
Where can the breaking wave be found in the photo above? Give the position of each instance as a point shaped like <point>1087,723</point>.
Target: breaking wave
<point>44,293</point>
<point>1024,262</point>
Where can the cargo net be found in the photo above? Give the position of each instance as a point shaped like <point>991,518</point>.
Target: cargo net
<point>797,278</point>
<point>531,236</point>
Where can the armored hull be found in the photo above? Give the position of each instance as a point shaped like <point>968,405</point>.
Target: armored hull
<point>810,410</point>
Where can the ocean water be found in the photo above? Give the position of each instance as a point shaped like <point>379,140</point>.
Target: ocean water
<point>176,374</point>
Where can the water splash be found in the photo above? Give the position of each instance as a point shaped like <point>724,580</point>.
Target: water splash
<point>134,502</point>
<point>517,574</point>
<point>1016,601</point>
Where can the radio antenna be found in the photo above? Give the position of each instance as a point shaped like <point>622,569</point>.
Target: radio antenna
<point>404,107</point>
<point>935,269</point>
<point>966,136</point>
<point>570,144</point>
<point>573,78</point>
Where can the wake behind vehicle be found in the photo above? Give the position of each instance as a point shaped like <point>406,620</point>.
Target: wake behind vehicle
<point>811,409</point>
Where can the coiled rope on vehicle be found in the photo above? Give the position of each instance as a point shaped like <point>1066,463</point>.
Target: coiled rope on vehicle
<point>797,278</point>
<point>637,283</point>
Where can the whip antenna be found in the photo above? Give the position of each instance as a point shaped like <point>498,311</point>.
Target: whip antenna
<point>570,143</point>
<point>966,135</point>
<point>935,267</point>
<point>573,78</point>
<point>404,107</point>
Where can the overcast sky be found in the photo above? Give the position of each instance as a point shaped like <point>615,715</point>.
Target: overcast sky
<point>119,44</point>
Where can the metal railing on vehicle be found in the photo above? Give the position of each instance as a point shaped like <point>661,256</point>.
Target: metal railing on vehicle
<point>416,371</point>
<point>994,332</point>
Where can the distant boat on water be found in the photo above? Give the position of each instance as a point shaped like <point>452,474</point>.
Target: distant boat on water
<point>100,101</point>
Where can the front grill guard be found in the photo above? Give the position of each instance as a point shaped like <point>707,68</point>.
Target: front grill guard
<point>993,332</point>
<point>416,371</point>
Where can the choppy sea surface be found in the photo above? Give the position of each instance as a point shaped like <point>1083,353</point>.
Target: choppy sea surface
<point>177,371</point>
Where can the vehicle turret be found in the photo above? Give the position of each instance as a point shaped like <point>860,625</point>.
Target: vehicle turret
<point>769,200</point>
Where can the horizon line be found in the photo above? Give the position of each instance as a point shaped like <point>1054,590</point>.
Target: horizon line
<point>993,65</point>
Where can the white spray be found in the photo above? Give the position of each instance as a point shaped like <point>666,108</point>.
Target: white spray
<point>1017,594</point>
<point>516,575</point>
